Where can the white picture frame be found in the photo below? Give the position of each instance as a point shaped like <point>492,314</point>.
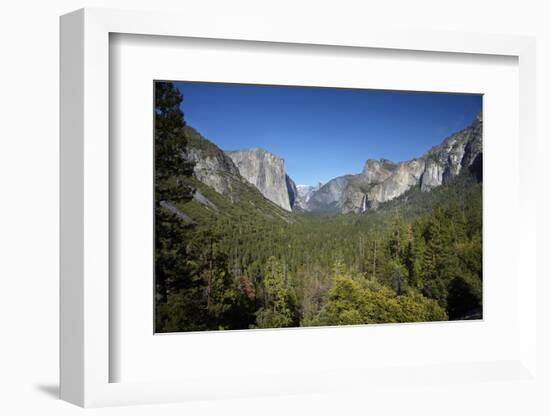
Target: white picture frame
<point>85,353</point>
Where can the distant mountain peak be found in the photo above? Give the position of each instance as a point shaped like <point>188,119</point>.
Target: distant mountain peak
<point>304,194</point>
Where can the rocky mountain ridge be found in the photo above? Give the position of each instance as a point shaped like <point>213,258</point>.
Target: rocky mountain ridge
<point>211,165</point>
<point>379,181</point>
<point>383,180</point>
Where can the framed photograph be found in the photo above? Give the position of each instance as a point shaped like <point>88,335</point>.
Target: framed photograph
<point>275,212</point>
<point>315,234</point>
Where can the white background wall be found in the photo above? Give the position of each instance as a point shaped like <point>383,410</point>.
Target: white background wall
<point>29,206</point>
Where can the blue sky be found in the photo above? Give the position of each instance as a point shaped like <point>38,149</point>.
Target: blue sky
<point>322,133</point>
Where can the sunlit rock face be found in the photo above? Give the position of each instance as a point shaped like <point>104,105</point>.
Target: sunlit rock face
<point>432,176</point>
<point>379,181</point>
<point>225,172</point>
<point>328,198</point>
<point>376,171</point>
<point>383,180</point>
<point>211,165</point>
<point>406,175</point>
<point>266,172</point>
<point>304,193</point>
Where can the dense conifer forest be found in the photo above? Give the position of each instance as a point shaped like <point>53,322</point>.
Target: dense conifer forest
<point>245,263</point>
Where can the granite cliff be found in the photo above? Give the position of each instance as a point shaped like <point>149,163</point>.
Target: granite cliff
<point>383,180</point>
<point>304,193</point>
<point>379,181</point>
<point>211,165</point>
<point>266,172</point>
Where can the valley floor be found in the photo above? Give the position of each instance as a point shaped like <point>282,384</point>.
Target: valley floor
<point>248,264</point>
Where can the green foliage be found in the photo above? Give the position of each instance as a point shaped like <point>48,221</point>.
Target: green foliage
<point>410,264</point>
<point>349,302</point>
<point>195,289</point>
<point>276,312</point>
<point>280,269</point>
<point>171,169</point>
<point>197,141</point>
<point>243,262</point>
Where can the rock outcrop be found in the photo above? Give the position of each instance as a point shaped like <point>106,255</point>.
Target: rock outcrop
<point>382,180</point>
<point>446,160</point>
<point>376,171</point>
<point>406,175</point>
<point>201,199</point>
<point>432,176</point>
<point>379,181</point>
<point>328,198</point>
<point>211,165</point>
<point>169,206</point>
<point>292,190</point>
<point>304,193</point>
<point>266,172</point>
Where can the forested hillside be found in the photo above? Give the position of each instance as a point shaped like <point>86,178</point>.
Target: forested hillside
<point>228,258</point>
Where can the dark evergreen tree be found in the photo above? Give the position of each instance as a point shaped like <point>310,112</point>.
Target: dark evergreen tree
<point>171,170</point>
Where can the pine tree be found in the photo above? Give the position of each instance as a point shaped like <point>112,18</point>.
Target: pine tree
<point>171,167</point>
<point>223,305</point>
<point>432,258</point>
<point>276,312</point>
<point>171,170</point>
<point>440,261</point>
